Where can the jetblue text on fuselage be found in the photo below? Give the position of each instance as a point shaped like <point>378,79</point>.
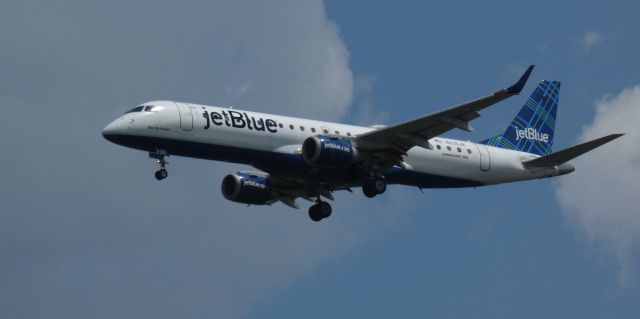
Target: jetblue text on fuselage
<point>239,120</point>
<point>531,134</point>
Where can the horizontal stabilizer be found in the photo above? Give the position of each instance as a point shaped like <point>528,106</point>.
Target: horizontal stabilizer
<point>570,153</point>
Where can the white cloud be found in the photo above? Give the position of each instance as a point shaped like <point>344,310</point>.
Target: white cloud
<point>601,197</point>
<point>366,112</point>
<point>289,58</point>
<point>590,39</point>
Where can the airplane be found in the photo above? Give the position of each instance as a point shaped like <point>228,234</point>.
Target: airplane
<point>301,158</point>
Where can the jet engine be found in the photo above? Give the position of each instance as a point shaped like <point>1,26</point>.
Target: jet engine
<point>329,151</point>
<point>247,188</point>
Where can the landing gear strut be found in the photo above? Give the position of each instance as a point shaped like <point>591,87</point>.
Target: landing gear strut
<point>160,156</point>
<point>374,186</point>
<point>319,211</point>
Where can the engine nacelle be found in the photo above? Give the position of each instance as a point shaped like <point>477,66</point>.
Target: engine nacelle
<point>247,188</point>
<point>329,151</point>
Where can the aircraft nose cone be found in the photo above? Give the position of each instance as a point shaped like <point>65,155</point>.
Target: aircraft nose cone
<point>111,130</point>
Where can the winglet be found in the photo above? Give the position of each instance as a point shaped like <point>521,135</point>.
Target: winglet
<point>516,88</point>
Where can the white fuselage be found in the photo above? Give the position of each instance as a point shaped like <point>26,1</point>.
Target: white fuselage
<point>273,143</point>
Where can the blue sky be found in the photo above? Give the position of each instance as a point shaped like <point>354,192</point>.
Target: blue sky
<point>85,230</point>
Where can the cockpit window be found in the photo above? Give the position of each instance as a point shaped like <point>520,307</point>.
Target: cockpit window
<point>145,108</point>
<point>135,109</point>
<point>152,108</point>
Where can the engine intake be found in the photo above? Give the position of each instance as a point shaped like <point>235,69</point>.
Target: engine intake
<point>247,188</point>
<point>329,151</point>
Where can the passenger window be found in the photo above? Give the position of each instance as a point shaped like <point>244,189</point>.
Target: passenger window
<point>469,151</point>
<point>326,131</point>
<point>459,150</point>
<point>438,147</point>
<point>313,129</point>
<point>280,125</point>
<point>291,126</point>
<point>301,128</point>
<point>448,148</point>
<point>337,133</point>
<point>348,134</point>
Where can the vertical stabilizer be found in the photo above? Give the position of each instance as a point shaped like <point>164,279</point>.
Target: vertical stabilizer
<point>533,128</point>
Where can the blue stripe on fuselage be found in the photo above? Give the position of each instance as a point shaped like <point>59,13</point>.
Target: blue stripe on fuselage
<point>283,164</point>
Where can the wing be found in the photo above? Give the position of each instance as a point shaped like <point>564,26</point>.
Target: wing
<point>396,140</point>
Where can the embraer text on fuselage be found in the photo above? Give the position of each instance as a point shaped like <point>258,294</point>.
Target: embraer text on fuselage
<point>531,134</point>
<point>239,120</point>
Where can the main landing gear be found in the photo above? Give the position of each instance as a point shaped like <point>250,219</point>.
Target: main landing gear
<point>319,211</point>
<point>161,174</point>
<point>374,186</point>
<point>160,156</point>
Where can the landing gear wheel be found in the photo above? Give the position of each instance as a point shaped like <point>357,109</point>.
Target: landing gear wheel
<point>314,213</point>
<point>161,174</point>
<point>379,186</point>
<point>374,186</point>
<point>320,211</point>
<point>367,190</point>
<point>160,157</point>
<point>324,208</point>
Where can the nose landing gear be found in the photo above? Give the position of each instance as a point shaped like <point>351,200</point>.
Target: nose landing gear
<point>160,155</point>
<point>161,174</point>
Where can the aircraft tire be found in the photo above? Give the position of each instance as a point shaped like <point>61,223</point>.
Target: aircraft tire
<point>161,174</point>
<point>368,190</point>
<point>324,209</point>
<point>314,213</point>
<point>379,186</point>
